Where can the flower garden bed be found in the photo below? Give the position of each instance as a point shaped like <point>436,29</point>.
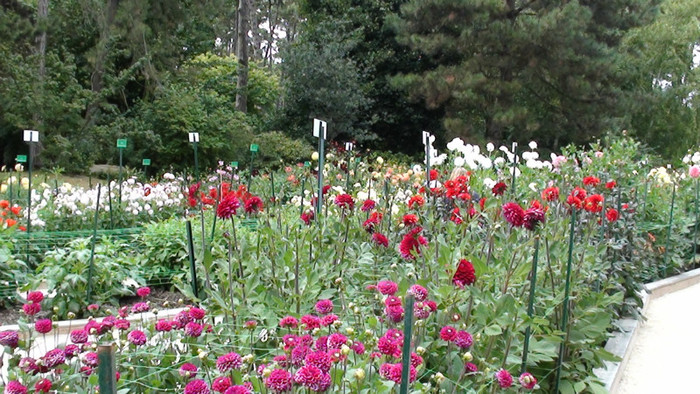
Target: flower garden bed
<point>516,273</point>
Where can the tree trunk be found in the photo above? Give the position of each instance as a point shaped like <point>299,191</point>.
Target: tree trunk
<point>242,53</point>
<point>42,12</point>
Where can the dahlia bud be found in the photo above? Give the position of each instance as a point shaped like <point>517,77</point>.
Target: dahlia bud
<point>71,315</point>
<point>338,281</point>
<point>351,305</point>
<point>369,333</point>
<point>248,358</point>
<point>202,355</point>
<point>180,301</point>
<point>467,357</point>
<point>393,266</point>
<point>155,311</point>
<point>314,156</point>
<point>439,378</point>
<point>359,374</point>
<point>350,331</point>
<point>131,369</point>
<point>266,372</point>
<point>345,350</point>
<point>316,331</point>
<point>55,309</point>
<point>337,323</point>
<point>420,323</point>
<point>166,304</point>
<point>380,160</point>
<point>456,317</point>
<point>356,310</point>
<point>420,350</point>
<point>477,337</point>
<point>226,234</point>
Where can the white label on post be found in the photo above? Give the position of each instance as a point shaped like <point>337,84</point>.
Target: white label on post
<point>31,136</point>
<point>426,137</point>
<point>194,137</point>
<point>320,126</point>
<point>349,146</point>
<point>515,145</point>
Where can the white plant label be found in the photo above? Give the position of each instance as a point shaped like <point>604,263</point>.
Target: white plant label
<point>320,126</point>
<point>349,146</point>
<point>426,138</point>
<point>31,136</point>
<point>194,137</point>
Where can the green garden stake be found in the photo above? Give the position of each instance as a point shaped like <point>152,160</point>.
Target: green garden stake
<point>9,181</point>
<point>194,139</point>
<point>515,166</point>
<point>406,351</point>
<point>234,167</point>
<point>92,246</point>
<point>567,288</point>
<point>253,150</point>
<point>146,163</point>
<point>320,132</point>
<point>530,303</point>
<point>272,183</point>
<point>190,252</point>
<point>106,369</point>
<point>668,233</point>
<point>121,144</point>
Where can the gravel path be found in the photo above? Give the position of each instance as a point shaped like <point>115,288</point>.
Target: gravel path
<point>664,354</point>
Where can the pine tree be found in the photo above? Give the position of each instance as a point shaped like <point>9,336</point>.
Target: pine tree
<point>521,69</point>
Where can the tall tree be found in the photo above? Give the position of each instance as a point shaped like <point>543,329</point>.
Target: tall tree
<point>521,69</point>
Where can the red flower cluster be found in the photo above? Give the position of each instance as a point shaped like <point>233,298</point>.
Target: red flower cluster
<point>550,194</point>
<point>465,274</point>
<point>228,206</point>
<point>593,203</point>
<point>575,199</point>
<point>499,188</point>
<point>612,215</point>
<point>253,205</point>
<point>513,213</point>
<point>368,205</point>
<point>6,215</point>
<point>374,219</point>
<point>416,202</point>
<point>344,201</point>
<point>411,243</point>
<point>458,188</point>
<point>591,181</point>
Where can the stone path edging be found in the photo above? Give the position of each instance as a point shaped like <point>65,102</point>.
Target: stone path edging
<point>622,340</point>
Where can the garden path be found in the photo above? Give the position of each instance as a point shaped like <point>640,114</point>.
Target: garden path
<point>664,354</point>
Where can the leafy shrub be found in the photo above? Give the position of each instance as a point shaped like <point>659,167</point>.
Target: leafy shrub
<point>276,147</point>
<point>66,272</point>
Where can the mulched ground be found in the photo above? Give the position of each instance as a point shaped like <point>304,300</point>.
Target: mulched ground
<point>160,298</point>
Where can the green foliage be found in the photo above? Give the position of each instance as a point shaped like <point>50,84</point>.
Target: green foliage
<point>276,148</point>
<point>66,273</point>
<point>542,70</point>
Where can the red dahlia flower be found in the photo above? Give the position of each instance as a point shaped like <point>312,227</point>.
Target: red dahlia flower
<point>499,188</point>
<point>380,240</point>
<point>504,378</point>
<point>253,205</point>
<point>612,215</point>
<point>416,201</point>
<point>533,217</point>
<point>368,205</point>
<point>591,181</point>
<point>550,194</point>
<point>465,274</point>
<point>344,201</point>
<point>228,206</point>
<point>513,213</point>
<point>411,242</point>
<point>593,203</point>
<point>609,185</point>
<point>410,220</point>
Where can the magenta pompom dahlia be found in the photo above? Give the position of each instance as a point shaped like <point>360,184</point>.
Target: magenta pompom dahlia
<point>228,362</point>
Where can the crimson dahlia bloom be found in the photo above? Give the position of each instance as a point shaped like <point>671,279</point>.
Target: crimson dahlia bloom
<point>463,339</point>
<point>15,387</point>
<point>503,378</point>
<point>228,362</point>
<point>193,329</point>
<point>344,201</point>
<point>533,217</point>
<point>9,338</point>
<point>513,213</point>
<point>593,203</point>
<point>197,313</point>
<point>448,333</point>
<point>137,337</point>
<point>228,206</point>
<point>324,307</point>
<point>53,358</point>
<point>78,336</point>
<point>143,292</point>
<point>35,296</point>
<point>411,242</point>
<point>465,274</point>
<point>188,370</point>
<point>31,309</point>
<point>550,194</point>
<point>499,188</point>
<point>43,386</point>
<point>279,381</point>
<point>289,321</point>
<point>319,359</point>
<point>419,292</point>
<point>368,205</point>
<point>612,215</point>
<point>43,326</point>
<point>591,181</point>
<point>197,386</point>
<point>313,378</point>
<point>387,287</point>
<point>410,220</point>
<point>221,384</point>
<point>253,205</point>
<point>416,201</point>
<point>380,240</point>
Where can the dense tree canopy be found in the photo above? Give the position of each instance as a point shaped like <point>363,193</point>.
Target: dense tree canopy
<point>86,72</point>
